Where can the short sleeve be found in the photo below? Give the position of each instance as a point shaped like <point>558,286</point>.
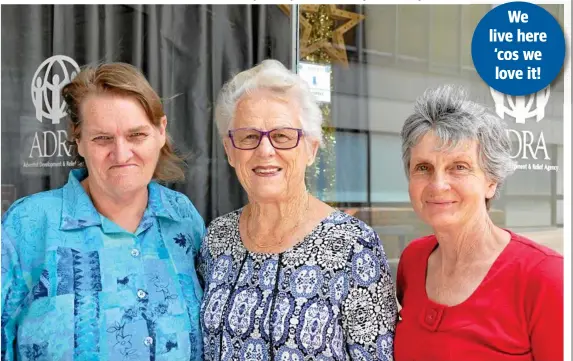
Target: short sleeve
<point>369,311</point>
<point>14,286</point>
<point>544,309</point>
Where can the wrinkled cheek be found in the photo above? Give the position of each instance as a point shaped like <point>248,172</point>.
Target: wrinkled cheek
<point>292,179</point>
<point>245,176</point>
<point>415,197</point>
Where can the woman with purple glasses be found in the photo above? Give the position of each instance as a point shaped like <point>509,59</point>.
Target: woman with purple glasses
<point>287,276</point>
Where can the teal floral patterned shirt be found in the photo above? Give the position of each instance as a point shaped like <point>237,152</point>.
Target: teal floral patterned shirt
<point>76,286</point>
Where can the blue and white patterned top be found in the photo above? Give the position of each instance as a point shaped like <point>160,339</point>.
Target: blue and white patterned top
<point>76,286</point>
<point>333,299</point>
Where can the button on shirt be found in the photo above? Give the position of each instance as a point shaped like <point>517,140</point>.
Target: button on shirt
<point>76,286</point>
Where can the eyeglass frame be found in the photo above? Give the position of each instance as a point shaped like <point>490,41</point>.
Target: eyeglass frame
<point>263,134</point>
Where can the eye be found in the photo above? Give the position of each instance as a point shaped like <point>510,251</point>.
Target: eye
<point>102,138</point>
<point>280,137</point>
<point>139,135</point>
<point>421,168</point>
<point>461,167</point>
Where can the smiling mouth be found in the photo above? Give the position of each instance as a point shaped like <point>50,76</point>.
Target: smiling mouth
<point>267,171</point>
<point>121,166</point>
<point>441,203</point>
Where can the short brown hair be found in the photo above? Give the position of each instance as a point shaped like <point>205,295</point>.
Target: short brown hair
<point>124,80</point>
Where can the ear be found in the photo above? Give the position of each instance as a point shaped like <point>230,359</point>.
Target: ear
<point>312,147</point>
<point>80,145</point>
<point>491,188</point>
<point>163,130</point>
<point>229,149</point>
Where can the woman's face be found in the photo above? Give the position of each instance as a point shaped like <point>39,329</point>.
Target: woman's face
<point>268,174</point>
<point>120,145</point>
<point>447,187</point>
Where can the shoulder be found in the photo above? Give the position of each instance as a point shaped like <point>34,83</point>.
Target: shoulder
<point>348,239</point>
<point>227,222</point>
<point>38,205</point>
<point>179,203</point>
<point>418,248</point>
<point>27,221</point>
<point>532,249</point>
<point>222,235</point>
<point>537,272</point>
<point>413,260</point>
<point>538,263</point>
<point>349,227</point>
<point>222,228</point>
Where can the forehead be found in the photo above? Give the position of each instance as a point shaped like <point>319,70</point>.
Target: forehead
<point>264,109</point>
<point>431,146</point>
<point>112,111</point>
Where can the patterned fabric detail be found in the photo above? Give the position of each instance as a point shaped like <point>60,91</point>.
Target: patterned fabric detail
<point>87,285</point>
<point>330,297</point>
<point>75,286</point>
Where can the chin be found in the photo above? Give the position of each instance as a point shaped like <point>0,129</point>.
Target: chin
<point>443,221</point>
<point>268,195</point>
<point>128,185</point>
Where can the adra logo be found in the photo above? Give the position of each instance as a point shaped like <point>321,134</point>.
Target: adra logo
<point>523,108</point>
<point>48,80</point>
<point>48,146</point>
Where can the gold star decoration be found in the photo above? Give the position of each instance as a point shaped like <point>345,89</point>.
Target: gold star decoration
<point>333,44</point>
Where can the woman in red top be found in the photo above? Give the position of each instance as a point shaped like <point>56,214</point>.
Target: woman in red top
<point>472,290</point>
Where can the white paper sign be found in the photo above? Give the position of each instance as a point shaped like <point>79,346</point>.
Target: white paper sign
<point>318,78</point>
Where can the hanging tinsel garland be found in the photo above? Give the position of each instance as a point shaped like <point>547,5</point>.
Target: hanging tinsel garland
<point>322,42</point>
<point>322,25</point>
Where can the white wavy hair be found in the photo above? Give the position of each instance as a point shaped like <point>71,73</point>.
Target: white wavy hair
<point>272,75</point>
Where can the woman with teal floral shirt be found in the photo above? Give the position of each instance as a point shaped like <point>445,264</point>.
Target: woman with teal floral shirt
<point>103,268</point>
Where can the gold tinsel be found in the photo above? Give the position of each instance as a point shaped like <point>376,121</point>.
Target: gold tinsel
<point>322,26</point>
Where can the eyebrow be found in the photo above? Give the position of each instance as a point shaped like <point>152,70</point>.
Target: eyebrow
<point>453,158</point>
<point>418,161</point>
<point>138,129</point>
<point>130,130</point>
<point>93,132</point>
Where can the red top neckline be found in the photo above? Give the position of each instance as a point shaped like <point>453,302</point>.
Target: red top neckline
<point>499,261</point>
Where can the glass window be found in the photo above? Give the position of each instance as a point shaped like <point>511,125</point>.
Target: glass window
<point>412,33</point>
<point>393,54</point>
<point>470,17</point>
<point>387,177</point>
<point>383,60</point>
<point>346,168</point>
<point>560,172</point>
<point>445,38</point>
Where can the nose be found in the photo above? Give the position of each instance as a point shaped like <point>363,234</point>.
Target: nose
<point>122,151</point>
<point>266,149</point>
<point>440,181</point>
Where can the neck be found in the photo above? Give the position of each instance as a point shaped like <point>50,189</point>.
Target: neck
<point>268,223</point>
<point>125,211</point>
<point>478,241</point>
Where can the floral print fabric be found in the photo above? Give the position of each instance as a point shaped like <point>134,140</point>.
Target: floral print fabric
<point>330,297</point>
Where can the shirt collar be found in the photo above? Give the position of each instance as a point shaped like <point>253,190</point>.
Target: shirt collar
<point>79,212</point>
<point>160,203</point>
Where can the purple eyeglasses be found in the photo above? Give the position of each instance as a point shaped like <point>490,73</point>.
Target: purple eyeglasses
<point>280,138</point>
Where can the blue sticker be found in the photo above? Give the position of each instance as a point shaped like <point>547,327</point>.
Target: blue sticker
<point>518,48</point>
